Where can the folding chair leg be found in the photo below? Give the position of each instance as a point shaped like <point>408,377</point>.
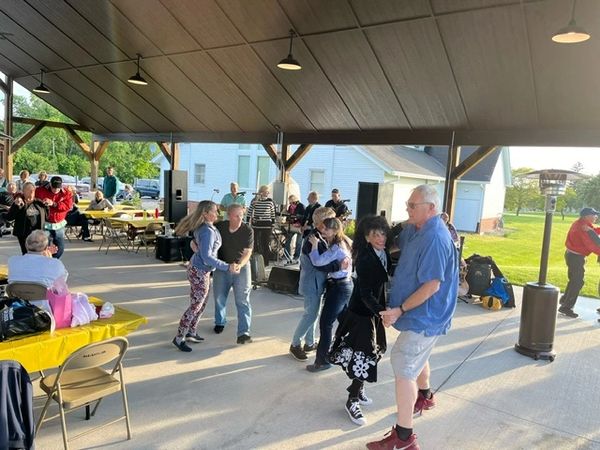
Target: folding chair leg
<point>125,407</point>
<point>87,412</point>
<point>63,420</point>
<point>42,415</point>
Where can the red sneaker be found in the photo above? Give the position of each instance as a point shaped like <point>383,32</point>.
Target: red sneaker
<point>423,403</point>
<point>393,442</point>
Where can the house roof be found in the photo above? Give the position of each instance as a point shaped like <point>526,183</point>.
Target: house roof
<point>406,160</point>
<point>430,72</point>
<point>482,172</point>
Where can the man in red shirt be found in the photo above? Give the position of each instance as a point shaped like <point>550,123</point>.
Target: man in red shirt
<point>582,240</point>
<point>59,202</point>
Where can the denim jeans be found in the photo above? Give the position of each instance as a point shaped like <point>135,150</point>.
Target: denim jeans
<point>57,237</point>
<point>336,299</point>
<point>241,284</point>
<point>298,247</point>
<point>311,286</point>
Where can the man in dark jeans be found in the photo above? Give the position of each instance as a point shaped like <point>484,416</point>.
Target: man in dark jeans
<point>582,240</point>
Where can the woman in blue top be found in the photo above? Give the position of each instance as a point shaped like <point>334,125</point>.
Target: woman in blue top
<point>204,261</point>
<point>339,284</point>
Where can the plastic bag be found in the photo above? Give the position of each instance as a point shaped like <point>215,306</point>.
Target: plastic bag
<point>61,303</point>
<point>107,310</point>
<point>83,312</point>
<point>19,317</point>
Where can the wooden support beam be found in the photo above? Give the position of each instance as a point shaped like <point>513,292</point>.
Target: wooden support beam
<point>77,139</point>
<point>291,162</point>
<point>51,124</point>
<point>165,150</point>
<point>174,156</point>
<point>271,150</point>
<point>450,186</point>
<point>27,136</point>
<point>472,161</point>
<point>98,149</point>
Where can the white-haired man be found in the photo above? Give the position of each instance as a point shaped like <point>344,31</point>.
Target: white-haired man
<point>422,302</point>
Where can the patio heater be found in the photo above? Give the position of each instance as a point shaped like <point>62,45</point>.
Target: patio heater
<point>540,299</point>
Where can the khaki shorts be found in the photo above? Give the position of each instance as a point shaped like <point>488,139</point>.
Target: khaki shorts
<point>410,353</point>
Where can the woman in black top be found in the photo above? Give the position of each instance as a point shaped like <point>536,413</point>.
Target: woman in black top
<point>360,338</point>
<point>28,213</point>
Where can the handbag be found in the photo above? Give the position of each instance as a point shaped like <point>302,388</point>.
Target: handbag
<point>61,303</point>
<point>19,317</point>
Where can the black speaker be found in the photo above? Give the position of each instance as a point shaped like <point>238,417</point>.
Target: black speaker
<point>173,248</point>
<point>368,194</point>
<point>175,195</point>
<point>284,280</point>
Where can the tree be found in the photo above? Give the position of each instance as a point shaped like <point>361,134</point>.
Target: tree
<point>523,193</point>
<point>588,192</point>
<point>53,151</point>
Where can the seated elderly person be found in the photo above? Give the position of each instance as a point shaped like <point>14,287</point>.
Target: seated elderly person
<point>37,265</point>
<point>99,203</point>
<point>76,219</point>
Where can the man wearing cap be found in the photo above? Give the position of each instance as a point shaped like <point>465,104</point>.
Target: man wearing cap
<point>582,240</point>
<point>337,204</point>
<point>59,202</point>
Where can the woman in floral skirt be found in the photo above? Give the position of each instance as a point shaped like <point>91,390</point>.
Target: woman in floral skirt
<point>360,338</point>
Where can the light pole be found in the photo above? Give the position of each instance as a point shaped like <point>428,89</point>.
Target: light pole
<point>540,300</point>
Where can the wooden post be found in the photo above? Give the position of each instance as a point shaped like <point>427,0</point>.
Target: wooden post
<point>98,149</point>
<point>7,154</point>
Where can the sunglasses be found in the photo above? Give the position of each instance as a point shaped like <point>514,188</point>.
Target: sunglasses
<point>412,205</point>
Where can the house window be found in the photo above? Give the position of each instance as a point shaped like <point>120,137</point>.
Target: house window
<point>262,170</point>
<point>199,173</point>
<point>243,176</point>
<point>317,181</point>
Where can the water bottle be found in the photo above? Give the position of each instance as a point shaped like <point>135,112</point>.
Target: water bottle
<point>145,214</point>
<point>156,213</point>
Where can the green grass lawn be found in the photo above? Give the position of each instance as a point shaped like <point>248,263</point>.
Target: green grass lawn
<point>517,252</point>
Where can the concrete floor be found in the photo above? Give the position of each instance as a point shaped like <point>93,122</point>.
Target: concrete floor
<point>224,395</point>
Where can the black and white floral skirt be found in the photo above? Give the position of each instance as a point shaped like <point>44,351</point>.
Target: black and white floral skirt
<point>359,345</point>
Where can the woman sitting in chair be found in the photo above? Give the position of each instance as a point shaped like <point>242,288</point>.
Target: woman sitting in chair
<point>99,203</point>
<point>37,265</point>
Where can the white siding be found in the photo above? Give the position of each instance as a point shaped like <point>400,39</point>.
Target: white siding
<point>493,203</point>
<point>469,200</point>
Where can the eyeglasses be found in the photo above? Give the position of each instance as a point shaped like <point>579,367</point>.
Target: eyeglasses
<point>412,205</point>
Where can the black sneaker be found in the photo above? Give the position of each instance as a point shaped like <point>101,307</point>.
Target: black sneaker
<point>244,339</point>
<point>182,345</point>
<point>598,310</point>
<point>309,348</point>
<point>318,367</point>
<point>362,397</point>
<point>219,328</point>
<point>193,338</point>
<point>354,411</point>
<point>568,312</point>
<point>297,352</point>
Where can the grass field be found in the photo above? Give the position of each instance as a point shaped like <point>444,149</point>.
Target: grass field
<point>517,251</point>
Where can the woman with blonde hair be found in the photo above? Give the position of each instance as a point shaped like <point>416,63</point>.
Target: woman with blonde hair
<point>99,203</point>
<point>208,241</point>
<point>339,284</point>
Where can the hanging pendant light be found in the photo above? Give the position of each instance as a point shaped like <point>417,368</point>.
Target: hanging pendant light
<point>289,63</point>
<point>41,89</point>
<point>572,33</point>
<point>137,78</point>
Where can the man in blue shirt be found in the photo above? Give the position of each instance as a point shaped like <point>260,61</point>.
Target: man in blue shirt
<point>234,197</point>
<point>422,303</point>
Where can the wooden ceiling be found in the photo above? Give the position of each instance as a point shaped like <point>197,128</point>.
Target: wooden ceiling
<point>481,72</point>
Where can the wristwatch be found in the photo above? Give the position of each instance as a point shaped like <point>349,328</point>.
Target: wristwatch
<point>402,309</point>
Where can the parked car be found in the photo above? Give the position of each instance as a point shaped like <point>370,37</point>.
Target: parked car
<point>147,187</point>
<point>88,181</point>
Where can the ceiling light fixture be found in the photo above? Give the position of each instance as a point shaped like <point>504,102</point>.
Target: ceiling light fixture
<point>289,63</point>
<point>572,33</point>
<point>137,78</point>
<point>41,89</point>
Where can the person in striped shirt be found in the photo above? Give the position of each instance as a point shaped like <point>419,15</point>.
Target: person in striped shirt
<point>261,215</point>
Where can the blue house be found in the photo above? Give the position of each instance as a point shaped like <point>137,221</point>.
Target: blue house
<point>397,170</point>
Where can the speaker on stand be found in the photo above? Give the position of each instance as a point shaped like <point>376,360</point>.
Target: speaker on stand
<point>176,195</point>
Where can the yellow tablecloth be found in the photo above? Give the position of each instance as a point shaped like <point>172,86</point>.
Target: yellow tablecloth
<point>111,213</point>
<point>138,222</point>
<point>45,350</point>
<point>3,273</point>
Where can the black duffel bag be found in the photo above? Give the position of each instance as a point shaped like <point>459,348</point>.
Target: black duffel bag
<point>19,317</point>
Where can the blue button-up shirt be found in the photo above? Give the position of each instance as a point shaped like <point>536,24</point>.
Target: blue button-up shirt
<point>426,254</point>
<point>209,241</point>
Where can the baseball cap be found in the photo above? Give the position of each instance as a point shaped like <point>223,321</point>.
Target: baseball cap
<point>335,191</point>
<point>588,212</point>
<point>56,182</point>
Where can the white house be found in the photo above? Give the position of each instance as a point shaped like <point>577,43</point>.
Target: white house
<point>397,169</point>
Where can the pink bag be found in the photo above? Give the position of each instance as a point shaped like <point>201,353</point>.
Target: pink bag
<point>60,301</point>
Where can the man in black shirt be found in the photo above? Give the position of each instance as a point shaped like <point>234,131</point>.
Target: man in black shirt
<point>307,219</point>
<point>238,240</point>
<point>337,204</point>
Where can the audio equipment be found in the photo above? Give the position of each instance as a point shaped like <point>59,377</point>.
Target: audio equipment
<point>175,195</point>
<point>173,248</point>
<point>284,280</point>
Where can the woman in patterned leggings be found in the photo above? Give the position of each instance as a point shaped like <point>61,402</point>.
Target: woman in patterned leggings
<point>207,241</point>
